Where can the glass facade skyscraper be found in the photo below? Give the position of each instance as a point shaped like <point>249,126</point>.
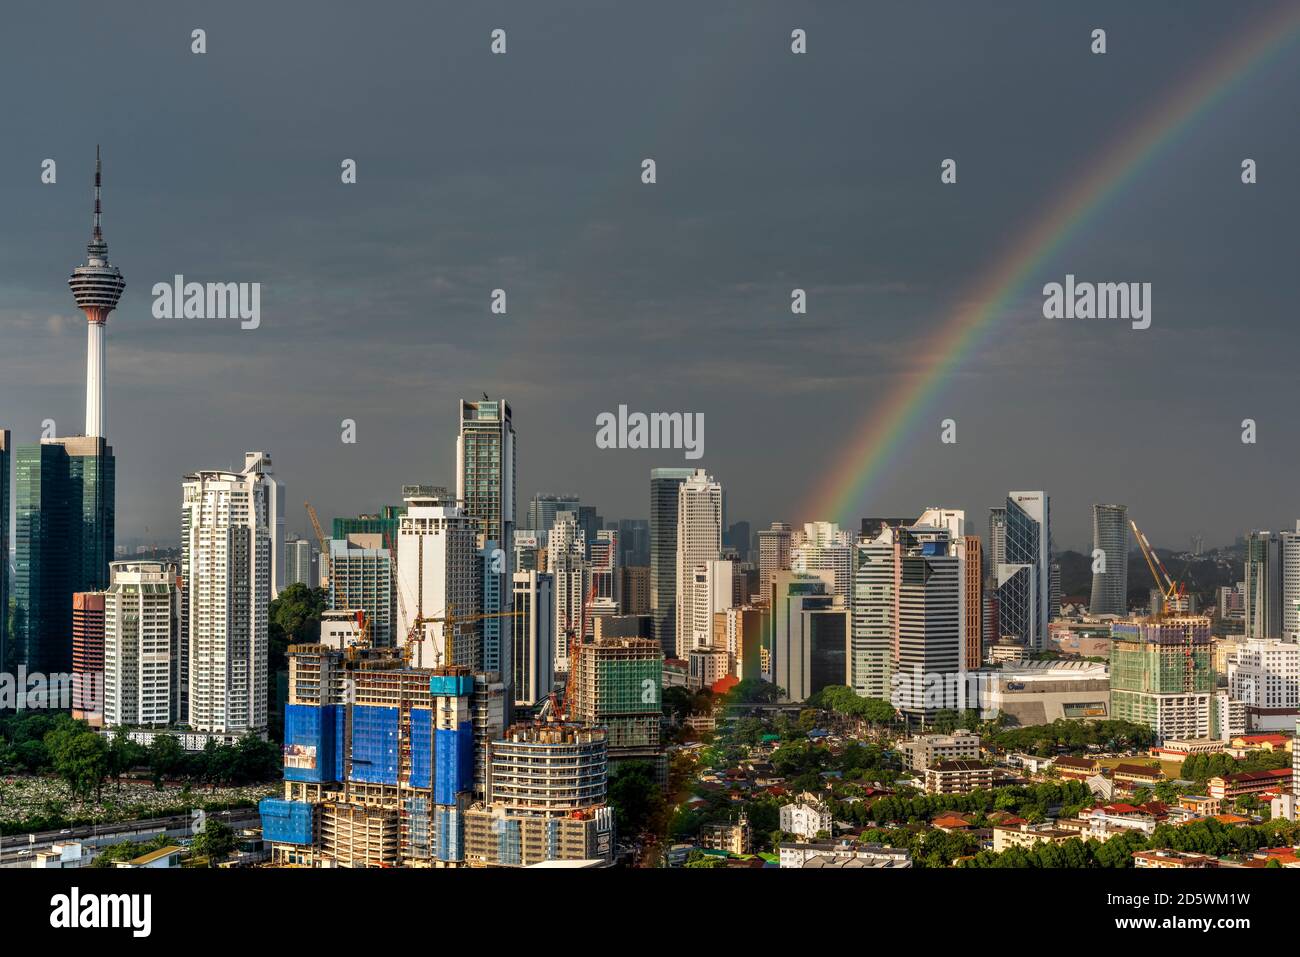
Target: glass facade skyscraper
<point>5,440</point>
<point>1024,575</point>
<point>64,510</point>
<point>1110,536</point>
<point>664,484</point>
<point>485,467</point>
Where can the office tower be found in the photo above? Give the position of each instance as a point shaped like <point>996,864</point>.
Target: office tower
<point>485,469</point>
<point>438,576</point>
<point>634,542</point>
<point>871,648</point>
<point>773,555</point>
<point>808,636</point>
<point>635,589</point>
<point>543,509</point>
<point>97,286</point>
<point>740,630</point>
<point>591,523</point>
<point>533,635</point>
<point>616,684</point>
<point>1161,675</point>
<point>699,540</point>
<point>1265,673</point>
<point>6,443</point>
<point>712,586</point>
<point>362,579</point>
<point>63,504</point>
<point>605,578</point>
<point>88,656</point>
<point>226,570</point>
<point>1232,602</point>
<point>664,484</point>
<point>1024,576</point>
<point>528,546</point>
<point>970,554</point>
<point>1263,585</point>
<point>260,465</point>
<point>997,537</point>
<point>140,631</point>
<point>494,598</point>
<point>571,573</point>
<point>1110,537</point>
<point>929,662</point>
<point>1289,586</point>
<point>821,546</point>
<point>548,786</point>
<point>299,563</point>
<point>384,524</point>
<point>739,537</point>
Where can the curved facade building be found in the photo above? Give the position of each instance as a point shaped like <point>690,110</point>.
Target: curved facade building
<point>1110,535</point>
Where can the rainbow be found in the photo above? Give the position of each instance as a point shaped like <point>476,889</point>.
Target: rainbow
<point>876,444</point>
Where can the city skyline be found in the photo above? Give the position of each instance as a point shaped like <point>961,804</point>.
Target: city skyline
<point>383,315</point>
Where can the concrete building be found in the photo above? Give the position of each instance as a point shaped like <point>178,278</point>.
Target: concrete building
<point>546,799</point>
<point>438,566</point>
<point>808,634</point>
<point>1265,673</point>
<point>1161,676</point>
<point>617,684</point>
<point>485,469</point>
<point>957,777</point>
<point>87,656</point>
<point>227,572</point>
<point>774,545</point>
<point>1263,600</point>
<point>712,591</point>
<point>533,636</point>
<point>141,643</point>
<point>807,818</point>
<point>361,578</point>
<point>846,855</point>
<point>741,632</point>
<point>258,465</point>
<point>699,540</point>
<point>927,749</point>
<point>822,546</point>
<point>571,574</point>
<point>929,662</point>
<point>6,447</point>
<point>871,650</point>
<point>299,562</point>
<point>635,589</point>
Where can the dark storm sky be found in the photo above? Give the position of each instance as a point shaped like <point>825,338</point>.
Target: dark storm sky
<point>775,171</point>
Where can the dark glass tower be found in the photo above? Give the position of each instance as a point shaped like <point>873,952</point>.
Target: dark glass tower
<point>64,495</point>
<point>5,446</point>
<point>664,484</point>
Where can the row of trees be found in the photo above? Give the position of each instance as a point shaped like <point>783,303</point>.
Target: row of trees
<point>1201,767</point>
<point>1073,736</point>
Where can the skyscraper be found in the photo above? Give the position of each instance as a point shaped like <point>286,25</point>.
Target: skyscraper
<point>272,504</point>
<point>773,555</point>
<point>871,647</point>
<point>1110,537</point>
<point>226,568</point>
<point>809,633</point>
<point>663,554</point>
<point>699,540</point>
<point>929,661</point>
<point>63,504</point>
<point>438,571</point>
<point>1162,676</point>
<point>566,560</point>
<point>533,634</point>
<point>1263,585</point>
<point>485,468</point>
<point>299,563</point>
<point>822,546</point>
<point>543,509</point>
<point>1025,576</point>
<point>361,578</point>
<point>997,537</point>
<point>140,644</point>
<point>5,445</point>
<point>1289,586</point>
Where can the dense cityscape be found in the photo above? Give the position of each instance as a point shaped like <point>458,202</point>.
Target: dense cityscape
<point>460,680</point>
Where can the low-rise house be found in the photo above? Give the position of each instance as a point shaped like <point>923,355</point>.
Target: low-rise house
<point>734,837</point>
<point>1077,769</point>
<point>842,854</point>
<point>927,749</point>
<point>1167,859</point>
<point>950,821</point>
<point>164,857</point>
<point>1243,744</point>
<point>1107,820</point>
<point>1232,786</point>
<point>806,818</point>
<point>1130,777</point>
<point>1027,835</point>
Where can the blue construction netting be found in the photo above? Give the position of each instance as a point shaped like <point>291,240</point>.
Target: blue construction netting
<point>374,744</point>
<point>450,828</point>
<point>313,739</point>
<point>421,747</point>
<point>457,686</point>
<point>286,822</point>
<point>454,770</point>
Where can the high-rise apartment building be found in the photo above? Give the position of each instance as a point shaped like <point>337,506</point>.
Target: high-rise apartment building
<point>997,537</point>
<point>616,684</point>
<point>1265,673</point>
<point>362,579</point>
<point>533,635</point>
<point>140,645</point>
<point>871,647</point>
<point>699,540</point>
<point>1289,586</point>
<point>438,575</point>
<point>485,467</point>
<point>226,569</point>
<point>664,485</point>
<point>774,546</point>
<point>712,591</point>
<point>566,562</point>
<point>273,498</point>
<point>822,546</point>
<point>1024,576</point>
<point>635,589</point>
<point>1110,538</point>
<point>88,656</point>
<point>299,562</point>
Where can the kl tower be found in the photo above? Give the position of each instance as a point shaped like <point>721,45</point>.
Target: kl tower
<point>97,286</point>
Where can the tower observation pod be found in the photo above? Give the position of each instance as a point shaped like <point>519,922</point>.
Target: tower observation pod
<point>97,286</point>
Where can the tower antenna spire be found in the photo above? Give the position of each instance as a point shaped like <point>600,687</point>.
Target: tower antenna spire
<point>98,234</point>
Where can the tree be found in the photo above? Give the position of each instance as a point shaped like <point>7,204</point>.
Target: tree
<point>635,797</point>
<point>166,758</point>
<point>214,842</point>
<point>79,756</point>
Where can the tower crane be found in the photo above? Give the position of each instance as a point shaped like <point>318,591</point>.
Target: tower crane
<point>322,542</point>
<point>1172,595</point>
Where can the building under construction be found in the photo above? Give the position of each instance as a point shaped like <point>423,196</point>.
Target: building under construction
<point>379,759</point>
<point>546,802</point>
<point>1162,675</point>
<point>617,684</point>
